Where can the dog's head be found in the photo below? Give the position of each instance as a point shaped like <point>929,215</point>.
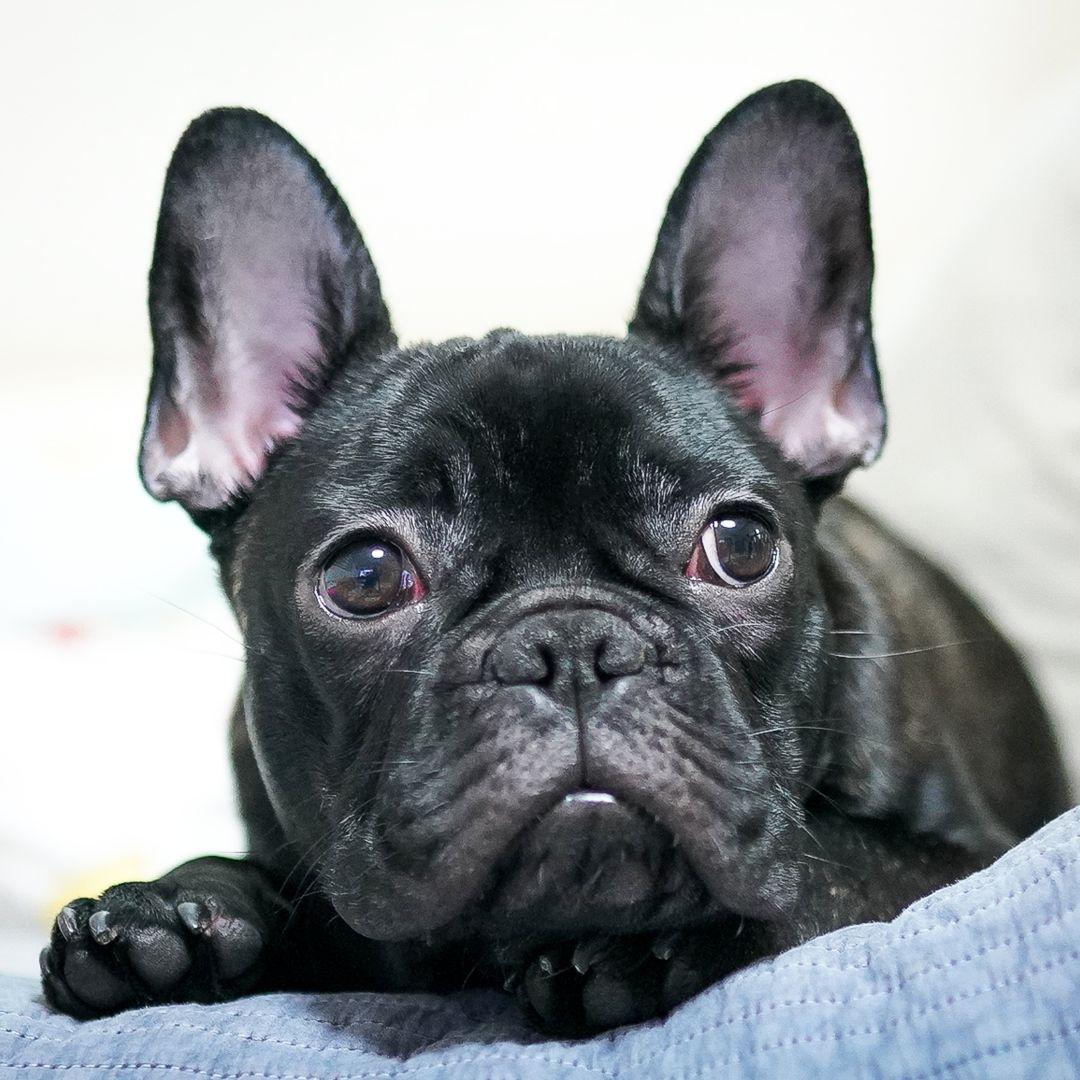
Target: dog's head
<point>533,623</point>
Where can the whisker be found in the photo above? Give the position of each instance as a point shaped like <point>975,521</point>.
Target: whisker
<point>184,611</point>
<point>213,626</point>
<point>785,404</point>
<point>796,727</point>
<point>861,738</point>
<point>830,862</point>
<point>906,652</point>
<point>743,625</point>
<point>793,818</point>
<point>821,794</point>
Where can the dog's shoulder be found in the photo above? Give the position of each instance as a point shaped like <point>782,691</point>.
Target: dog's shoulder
<point>962,701</point>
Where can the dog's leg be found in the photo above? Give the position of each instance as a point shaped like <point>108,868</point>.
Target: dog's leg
<point>206,931</point>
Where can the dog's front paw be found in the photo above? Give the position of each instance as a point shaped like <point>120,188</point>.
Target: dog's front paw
<point>150,942</point>
<point>574,988</point>
<point>606,982</point>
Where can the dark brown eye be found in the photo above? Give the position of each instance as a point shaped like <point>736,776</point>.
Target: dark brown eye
<point>735,550</point>
<point>367,578</point>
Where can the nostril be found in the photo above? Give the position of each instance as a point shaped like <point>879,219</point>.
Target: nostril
<point>550,664</point>
<point>563,651</point>
<point>620,655</point>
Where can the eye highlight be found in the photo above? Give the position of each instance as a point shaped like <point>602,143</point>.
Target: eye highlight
<point>736,549</point>
<point>367,578</point>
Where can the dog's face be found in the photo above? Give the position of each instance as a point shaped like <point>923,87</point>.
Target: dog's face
<point>532,622</point>
<point>528,575</point>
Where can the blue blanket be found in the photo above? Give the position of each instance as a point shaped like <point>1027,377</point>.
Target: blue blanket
<point>980,979</point>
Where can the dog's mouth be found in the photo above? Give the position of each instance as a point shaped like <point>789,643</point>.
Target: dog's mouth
<point>584,859</point>
<point>592,860</point>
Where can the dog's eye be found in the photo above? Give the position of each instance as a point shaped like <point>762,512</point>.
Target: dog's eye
<point>367,578</point>
<point>735,550</point>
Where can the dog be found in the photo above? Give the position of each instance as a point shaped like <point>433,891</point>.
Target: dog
<point>567,668</point>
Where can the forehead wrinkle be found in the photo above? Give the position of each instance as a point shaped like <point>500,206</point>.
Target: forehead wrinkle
<point>448,473</point>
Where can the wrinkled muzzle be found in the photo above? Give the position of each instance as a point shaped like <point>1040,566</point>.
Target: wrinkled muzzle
<point>571,765</point>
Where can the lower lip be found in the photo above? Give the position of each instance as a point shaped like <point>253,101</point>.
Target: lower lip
<point>589,797</point>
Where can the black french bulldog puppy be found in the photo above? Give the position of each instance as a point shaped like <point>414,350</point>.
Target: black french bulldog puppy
<point>565,670</point>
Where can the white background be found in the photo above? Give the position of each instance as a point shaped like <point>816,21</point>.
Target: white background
<point>508,164</point>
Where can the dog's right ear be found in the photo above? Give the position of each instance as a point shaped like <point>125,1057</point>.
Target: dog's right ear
<point>260,286</point>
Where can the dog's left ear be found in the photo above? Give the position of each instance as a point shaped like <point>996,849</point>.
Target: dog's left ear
<point>762,272</point>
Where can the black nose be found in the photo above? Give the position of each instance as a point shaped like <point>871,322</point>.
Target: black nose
<point>564,650</point>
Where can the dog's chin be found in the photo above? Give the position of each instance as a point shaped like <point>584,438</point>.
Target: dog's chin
<point>590,863</point>
<point>593,863</point>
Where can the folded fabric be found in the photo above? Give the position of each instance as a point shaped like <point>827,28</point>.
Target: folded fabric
<point>980,979</point>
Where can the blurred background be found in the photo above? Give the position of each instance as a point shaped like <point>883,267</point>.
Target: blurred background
<point>508,165</point>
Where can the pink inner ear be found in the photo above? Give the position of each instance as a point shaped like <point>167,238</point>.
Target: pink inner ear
<point>820,413</point>
<point>261,249</point>
<point>829,427</point>
<point>754,278</point>
<point>204,451</point>
<point>211,440</point>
